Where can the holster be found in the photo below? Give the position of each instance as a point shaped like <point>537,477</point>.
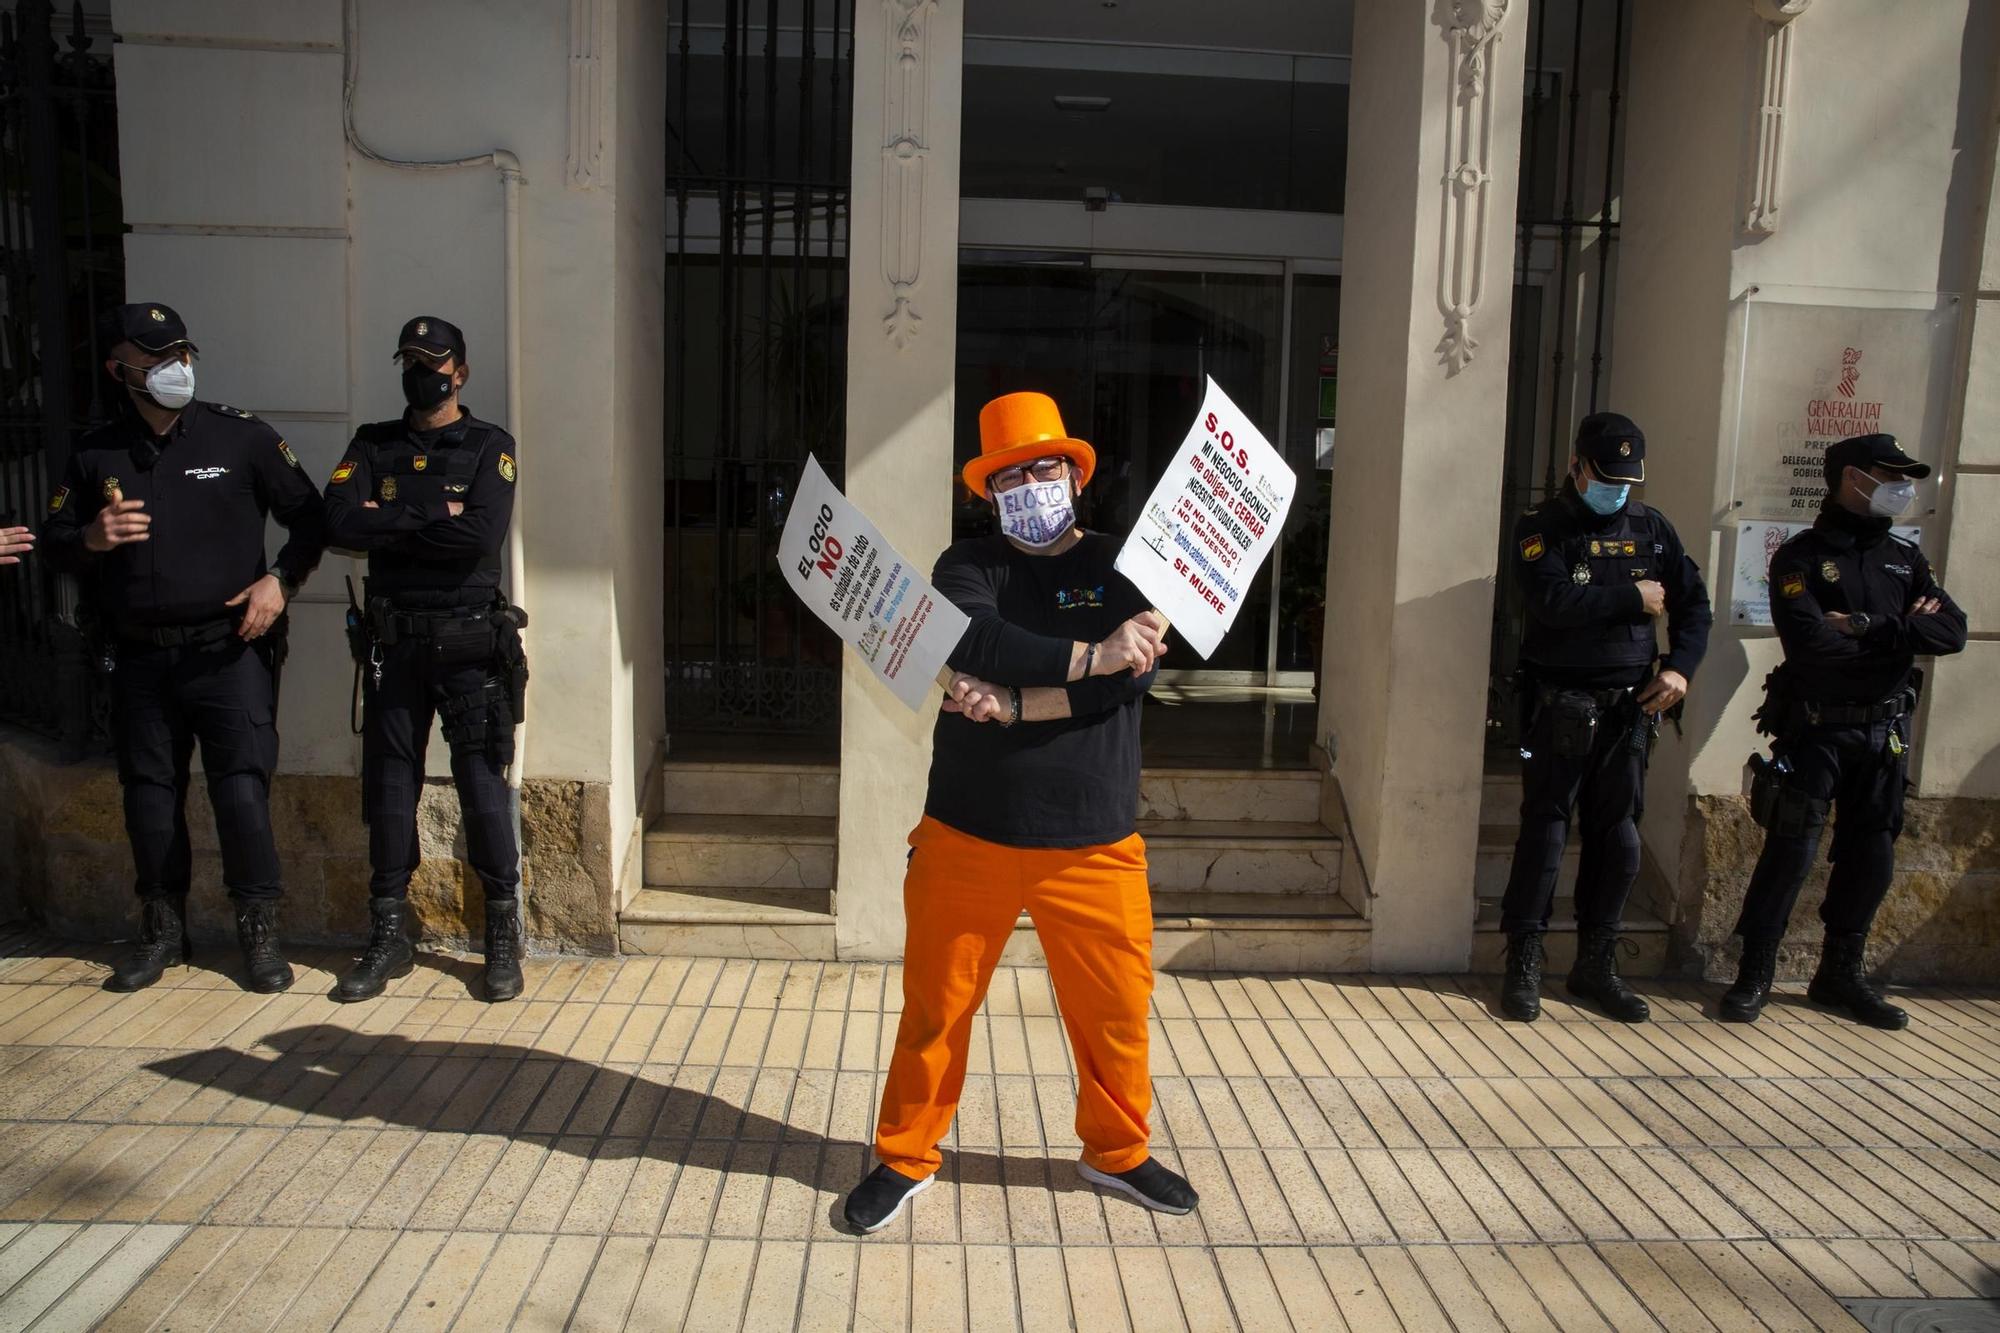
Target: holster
<point>1777,806</point>
<point>510,657</point>
<point>1782,712</point>
<point>1573,717</point>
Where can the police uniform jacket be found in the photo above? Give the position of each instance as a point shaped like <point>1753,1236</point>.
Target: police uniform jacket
<point>1851,562</point>
<point>208,484</point>
<point>1579,572</point>
<point>419,554</point>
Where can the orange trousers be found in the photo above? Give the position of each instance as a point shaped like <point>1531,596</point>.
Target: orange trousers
<point>1093,912</point>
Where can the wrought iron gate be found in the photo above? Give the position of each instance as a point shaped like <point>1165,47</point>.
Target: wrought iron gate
<point>757,130</point>
<point>1565,275</point>
<point>61,260</point>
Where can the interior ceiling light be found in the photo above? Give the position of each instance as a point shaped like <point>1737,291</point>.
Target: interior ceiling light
<point>1076,102</point>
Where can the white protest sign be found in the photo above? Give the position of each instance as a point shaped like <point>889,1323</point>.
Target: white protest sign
<point>1210,522</point>
<point>838,564</point>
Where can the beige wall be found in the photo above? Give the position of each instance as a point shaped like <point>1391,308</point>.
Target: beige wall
<point>1887,149</point>
<point>295,260</point>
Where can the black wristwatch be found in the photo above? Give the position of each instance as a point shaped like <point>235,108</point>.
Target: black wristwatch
<point>1858,623</point>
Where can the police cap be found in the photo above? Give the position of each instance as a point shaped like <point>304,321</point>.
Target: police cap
<point>148,326</point>
<point>1613,445</point>
<point>1871,451</point>
<point>433,337</point>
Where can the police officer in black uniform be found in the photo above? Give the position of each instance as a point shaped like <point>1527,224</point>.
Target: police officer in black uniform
<point>1854,606</point>
<point>1595,568</point>
<point>162,513</point>
<point>429,497</point>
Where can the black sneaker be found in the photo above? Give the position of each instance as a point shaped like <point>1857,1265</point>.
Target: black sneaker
<point>874,1203</point>
<point>1149,1183</point>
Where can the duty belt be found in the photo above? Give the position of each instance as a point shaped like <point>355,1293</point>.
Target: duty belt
<point>203,635</point>
<point>1858,715</point>
<point>391,624</point>
<point>1605,700</point>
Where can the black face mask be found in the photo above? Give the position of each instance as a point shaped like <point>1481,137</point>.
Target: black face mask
<point>424,388</point>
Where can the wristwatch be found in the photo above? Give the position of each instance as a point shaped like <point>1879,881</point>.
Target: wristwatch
<point>1858,623</point>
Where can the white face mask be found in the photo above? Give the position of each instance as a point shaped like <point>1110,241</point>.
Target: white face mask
<point>1891,499</point>
<point>1037,513</point>
<point>171,383</point>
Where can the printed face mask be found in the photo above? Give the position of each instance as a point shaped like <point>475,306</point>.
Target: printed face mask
<point>1891,499</point>
<point>1037,513</point>
<point>1603,497</point>
<point>171,384</point>
<point>424,388</point>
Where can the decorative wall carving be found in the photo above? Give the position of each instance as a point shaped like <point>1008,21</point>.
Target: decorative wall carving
<point>905,154</point>
<point>1767,178</point>
<point>1471,27</point>
<point>588,33</point>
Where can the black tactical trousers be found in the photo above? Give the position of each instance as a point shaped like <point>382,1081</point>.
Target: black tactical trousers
<point>164,701</point>
<point>396,732</point>
<point>1606,788</point>
<point>1859,774</point>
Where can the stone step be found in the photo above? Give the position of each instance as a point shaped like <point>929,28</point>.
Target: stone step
<point>693,788</point>
<point>1244,856</point>
<point>729,923</point>
<point>1642,927</point>
<point>1282,795</point>
<point>1500,801</point>
<point>741,851</point>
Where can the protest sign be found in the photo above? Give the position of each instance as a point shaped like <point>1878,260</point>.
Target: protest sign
<point>1208,525</point>
<point>838,564</point>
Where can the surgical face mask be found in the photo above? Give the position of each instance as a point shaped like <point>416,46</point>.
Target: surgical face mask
<point>1891,499</point>
<point>170,384</point>
<point>1036,513</point>
<point>1602,497</point>
<point>423,387</point>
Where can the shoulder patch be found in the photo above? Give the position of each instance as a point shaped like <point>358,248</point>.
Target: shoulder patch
<point>59,499</point>
<point>285,452</point>
<point>1792,585</point>
<point>1532,547</point>
<point>342,473</point>
<point>507,466</point>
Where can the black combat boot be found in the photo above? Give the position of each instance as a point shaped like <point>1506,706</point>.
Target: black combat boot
<point>162,936</point>
<point>503,949</point>
<point>387,957</point>
<point>1595,976</point>
<point>1742,1002</point>
<point>1841,983</point>
<point>264,968</point>
<point>1521,991</point>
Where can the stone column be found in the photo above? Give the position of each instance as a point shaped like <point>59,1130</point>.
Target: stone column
<point>902,261</point>
<point>1426,296</point>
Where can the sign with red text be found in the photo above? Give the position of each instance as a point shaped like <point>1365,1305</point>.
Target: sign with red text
<point>838,564</point>
<point>1815,374</point>
<point>1208,525</point>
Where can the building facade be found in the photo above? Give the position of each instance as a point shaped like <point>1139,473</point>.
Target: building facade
<point>691,244</point>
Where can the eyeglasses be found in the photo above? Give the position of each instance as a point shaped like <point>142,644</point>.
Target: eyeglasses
<point>1042,469</point>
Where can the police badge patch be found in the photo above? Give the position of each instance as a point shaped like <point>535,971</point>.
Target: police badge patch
<point>1829,571</point>
<point>342,473</point>
<point>420,462</point>
<point>1532,548</point>
<point>1793,585</point>
<point>59,499</point>
<point>507,466</point>
<point>110,488</point>
<point>1581,574</point>
<point>388,488</point>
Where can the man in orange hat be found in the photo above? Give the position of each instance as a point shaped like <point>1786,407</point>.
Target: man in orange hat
<point>1033,803</point>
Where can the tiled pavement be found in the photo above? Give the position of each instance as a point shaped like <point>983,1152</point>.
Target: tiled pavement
<point>657,1143</point>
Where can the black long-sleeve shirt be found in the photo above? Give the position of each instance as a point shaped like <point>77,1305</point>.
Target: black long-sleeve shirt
<point>1073,782</point>
<point>1578,572</point>
<point>208,485</point>
<point>419,553</point>
<point>1850,562</point>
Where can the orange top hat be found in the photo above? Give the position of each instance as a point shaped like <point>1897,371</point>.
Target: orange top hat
<point>1018,428</point>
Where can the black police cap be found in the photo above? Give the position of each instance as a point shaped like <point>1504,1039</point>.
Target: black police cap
<point>1613,445</point>
<point>148,326</point>
<point>434,337</point>
<point>1871,451</point>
